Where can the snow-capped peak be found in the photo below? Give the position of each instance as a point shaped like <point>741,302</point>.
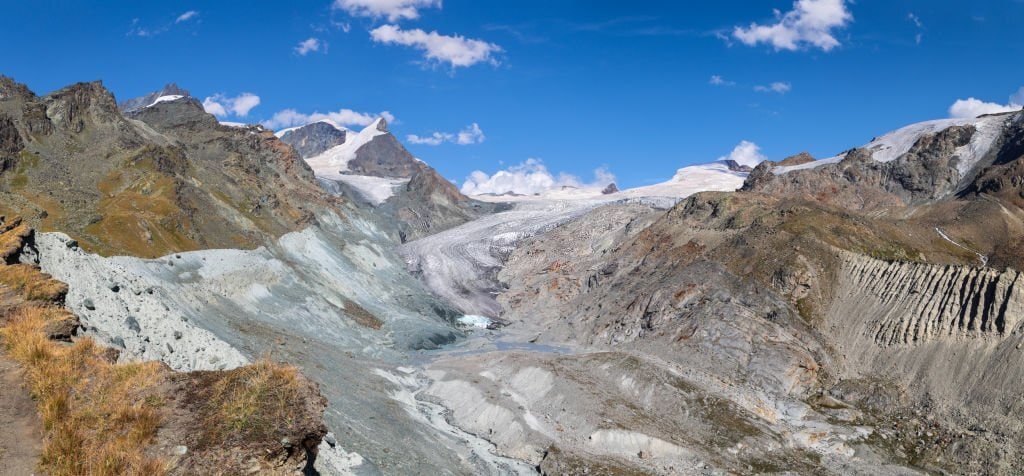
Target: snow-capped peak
<point>893,145</point>
<point>334,161</point>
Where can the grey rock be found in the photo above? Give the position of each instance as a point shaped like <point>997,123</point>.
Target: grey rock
<point>313,139</point>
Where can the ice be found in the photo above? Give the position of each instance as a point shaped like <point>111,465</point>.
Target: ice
<point>473,320</point>
<point>375,190</point>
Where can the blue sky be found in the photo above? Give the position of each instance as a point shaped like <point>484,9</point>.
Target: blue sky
<point>576,84</point>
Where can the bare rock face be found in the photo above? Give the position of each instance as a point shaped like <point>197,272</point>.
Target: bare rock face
<point>313,139</point>
<point>610,189</point>
<point>384,156</point>
<point>736,166</point>
<point>798,159</point>
<point>11,144</point>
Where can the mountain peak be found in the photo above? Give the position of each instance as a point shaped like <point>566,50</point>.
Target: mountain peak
<point>380,124</point>
<point>314,138</point>
<point>168,91</point>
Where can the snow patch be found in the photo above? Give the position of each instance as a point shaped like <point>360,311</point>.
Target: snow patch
<point>473,320</point>
<point>172,97</point>
<point>376,190</point>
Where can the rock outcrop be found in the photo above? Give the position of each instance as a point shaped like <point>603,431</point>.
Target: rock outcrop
<point>315,138</point>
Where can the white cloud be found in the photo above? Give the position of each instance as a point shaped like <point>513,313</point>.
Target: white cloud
<point>717,80</point>
<point>920,26</point>
<point>187,16</point>
<point>528,178</point>
<point>436,138</point>
<point>746,153</point>
<point>309,45</point>
<point>455,50</point>
<point>971,108</point>
<point>345,117</point>
<point>1017,97</point>
<point>222,106</point>
<point>471,134</point>
<point>810,23</point>
<point>776,87</point>
<point>393,10</point>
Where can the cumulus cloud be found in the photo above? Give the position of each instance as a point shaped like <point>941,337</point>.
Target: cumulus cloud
<point>345,117</point>
<point>471,134</point>
<point>717,80</point>
<point>746,153</point>
<point>186,16</point>
<point>221,105</point>
<point>308,46</point>
<point>458,51</point>
<point>528,178</point>
<point>776,87</point>
<point>971,108</point>
<point>393,10</point>
<point>809,24</point>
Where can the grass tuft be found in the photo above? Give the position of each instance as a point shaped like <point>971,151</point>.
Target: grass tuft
<point>97,417</point>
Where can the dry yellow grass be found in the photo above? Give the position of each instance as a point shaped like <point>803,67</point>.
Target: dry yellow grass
<point>252,401</point>
<point>99,417</point>
<point>32,284</point>
<point>11,235</point>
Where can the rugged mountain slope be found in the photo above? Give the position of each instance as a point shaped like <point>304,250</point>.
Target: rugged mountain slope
<point>917,164</point>
<point>168,179</point>
<point>371,166</point>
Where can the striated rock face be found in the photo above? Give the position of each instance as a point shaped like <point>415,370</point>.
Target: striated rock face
<point>313,139</point>
<point>910,303</point>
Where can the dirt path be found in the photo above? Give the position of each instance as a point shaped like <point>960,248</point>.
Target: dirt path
<point>21,435</point>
